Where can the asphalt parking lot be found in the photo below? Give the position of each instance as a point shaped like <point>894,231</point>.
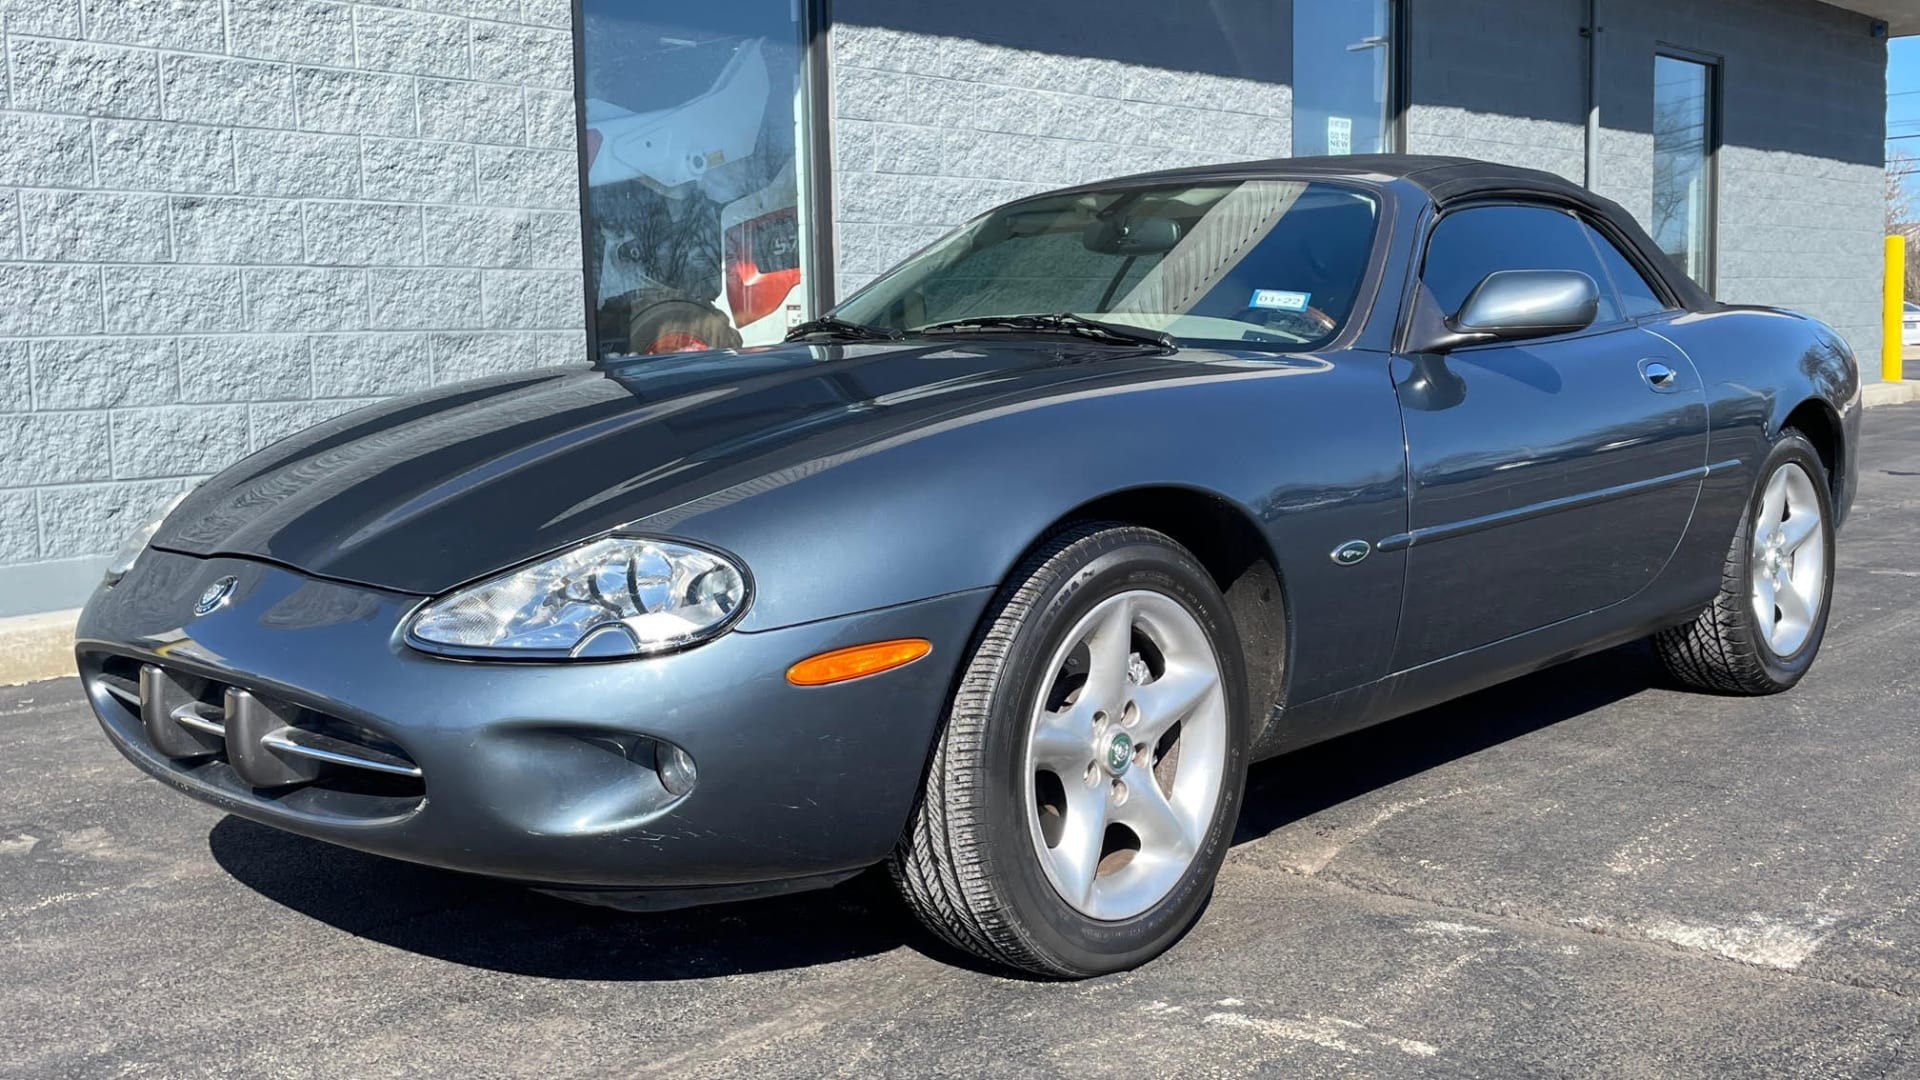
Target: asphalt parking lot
<point>1584,873</point>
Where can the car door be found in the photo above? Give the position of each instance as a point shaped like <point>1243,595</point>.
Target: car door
<point>1547,478</point>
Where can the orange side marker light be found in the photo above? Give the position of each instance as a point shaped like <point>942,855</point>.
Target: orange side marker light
<point>856,661</point>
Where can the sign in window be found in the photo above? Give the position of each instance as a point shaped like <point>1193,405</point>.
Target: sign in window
<point>693,179</point>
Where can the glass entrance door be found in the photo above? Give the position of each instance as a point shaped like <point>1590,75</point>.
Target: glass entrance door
<point>1342,76</point>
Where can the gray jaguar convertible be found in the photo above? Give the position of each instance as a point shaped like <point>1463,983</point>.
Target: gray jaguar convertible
<point>1003,572</point>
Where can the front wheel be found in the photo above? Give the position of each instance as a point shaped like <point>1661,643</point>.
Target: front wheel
<point>1085,788</point>
<point>1761,633</point>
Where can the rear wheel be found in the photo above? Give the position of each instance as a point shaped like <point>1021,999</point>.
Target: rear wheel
<point>1085,788</point>
<point>1762,631</point>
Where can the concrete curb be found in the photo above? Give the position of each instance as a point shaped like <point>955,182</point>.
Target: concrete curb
<point>34,647</point>
<point>1890,393</point>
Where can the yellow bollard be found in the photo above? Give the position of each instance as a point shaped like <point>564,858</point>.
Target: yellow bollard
<point>1895,299</point>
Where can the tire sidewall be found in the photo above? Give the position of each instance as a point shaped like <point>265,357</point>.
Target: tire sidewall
<point>1071,940</point>
<point>1790,448</point>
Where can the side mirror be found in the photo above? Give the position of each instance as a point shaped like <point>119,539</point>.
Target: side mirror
<point>1514,305</point>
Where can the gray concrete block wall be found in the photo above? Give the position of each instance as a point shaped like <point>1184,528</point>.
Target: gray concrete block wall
<point>930,130</point>
<point>1500,80</point>
<point>1800,211</point>
<point>221,222</point>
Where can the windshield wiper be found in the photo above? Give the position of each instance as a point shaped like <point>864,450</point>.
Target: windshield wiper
<point>1063,322</point>
<point>834,329</point>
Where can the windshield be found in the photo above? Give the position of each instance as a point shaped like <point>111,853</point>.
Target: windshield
<point>1261,263</point>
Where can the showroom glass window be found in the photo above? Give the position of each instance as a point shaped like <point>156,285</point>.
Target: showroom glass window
<point>694,173</point>
<point>1342,76</point>
<point>1684,110</point>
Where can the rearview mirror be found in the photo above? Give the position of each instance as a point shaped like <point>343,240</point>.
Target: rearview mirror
<point>1513,305</point>
<point>1131,236</point>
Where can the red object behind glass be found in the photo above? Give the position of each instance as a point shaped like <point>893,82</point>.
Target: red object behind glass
<point>763,264</point>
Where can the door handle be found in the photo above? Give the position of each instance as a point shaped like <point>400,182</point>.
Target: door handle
<point>1660,375</point>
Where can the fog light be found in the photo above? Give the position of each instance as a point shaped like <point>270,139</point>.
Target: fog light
<point>677,774</point>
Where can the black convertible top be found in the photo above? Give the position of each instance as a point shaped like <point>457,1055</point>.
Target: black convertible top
<point>1444,179</point>
<point>1449,180</point>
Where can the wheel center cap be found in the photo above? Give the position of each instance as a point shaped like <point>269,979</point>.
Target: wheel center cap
<point>1119,753</point>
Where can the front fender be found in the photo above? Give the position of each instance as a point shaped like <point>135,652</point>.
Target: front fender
<point>1308,449</point>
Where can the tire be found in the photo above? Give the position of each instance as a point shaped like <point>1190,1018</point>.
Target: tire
<point>678,325</point>
<point>995,844</point>
<point>1733,648</point>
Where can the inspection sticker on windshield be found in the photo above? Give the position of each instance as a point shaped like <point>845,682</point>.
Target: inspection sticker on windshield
<point>1279,300</point>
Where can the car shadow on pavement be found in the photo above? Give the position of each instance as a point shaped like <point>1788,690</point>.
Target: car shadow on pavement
<point>503,927</point>
<point>1288,788</point>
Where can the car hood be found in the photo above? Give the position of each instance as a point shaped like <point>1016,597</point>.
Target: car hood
<point>426,492</point>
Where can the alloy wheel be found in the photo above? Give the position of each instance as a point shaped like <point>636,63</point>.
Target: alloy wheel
<point>1787,563</point>
<point>1126,753</point>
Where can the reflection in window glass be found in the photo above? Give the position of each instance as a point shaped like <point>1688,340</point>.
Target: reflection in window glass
<point>1637,295</point>
<point>693,206</point>
<point>1467,245</point>
<point>1682,163</point>
<point>1342,53</point>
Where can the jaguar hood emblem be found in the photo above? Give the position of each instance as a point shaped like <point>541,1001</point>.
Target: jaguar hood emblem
<point>215,596</point>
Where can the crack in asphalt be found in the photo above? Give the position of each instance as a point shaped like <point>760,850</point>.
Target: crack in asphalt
<point>1335,881</point>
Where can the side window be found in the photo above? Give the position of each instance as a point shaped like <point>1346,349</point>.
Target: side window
<point>1637,295</point>
<point>1467,245</point>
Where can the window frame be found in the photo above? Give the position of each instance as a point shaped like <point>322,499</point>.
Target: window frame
<point>1715,66</point>
<point>815,144</point>
<point>1399,74</point>
<point>1662,291</point>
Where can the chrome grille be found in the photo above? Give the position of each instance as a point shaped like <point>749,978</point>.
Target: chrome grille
<point>267,744</point>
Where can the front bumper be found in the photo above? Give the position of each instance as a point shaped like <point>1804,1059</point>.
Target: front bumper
<point>531,771</point>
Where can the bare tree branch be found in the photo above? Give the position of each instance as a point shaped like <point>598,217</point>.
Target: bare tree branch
<point>1903,212</point>
<point>1903,204</point>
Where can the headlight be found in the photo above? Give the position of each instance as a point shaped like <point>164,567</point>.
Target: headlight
<point>617,596</point>
<point>123,559</point>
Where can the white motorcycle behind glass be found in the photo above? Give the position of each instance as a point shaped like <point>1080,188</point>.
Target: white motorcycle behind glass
<point>693,228</point>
